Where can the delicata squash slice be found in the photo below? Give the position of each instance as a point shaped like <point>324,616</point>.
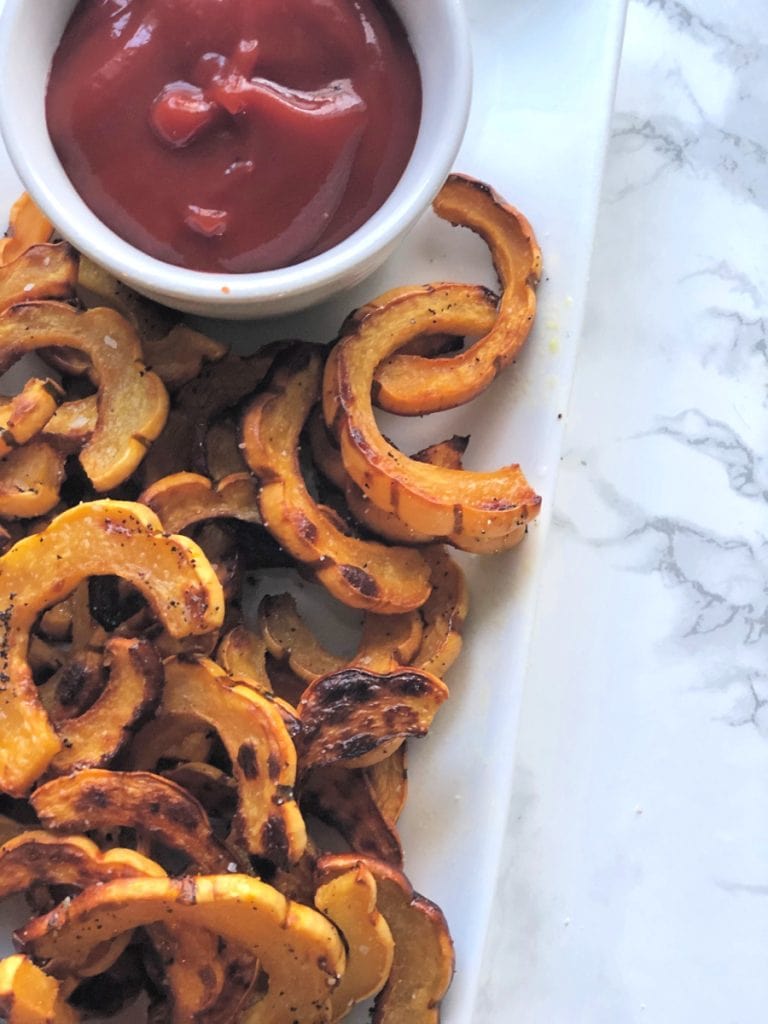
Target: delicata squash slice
<point>132,402</point>
<point>183,499</point>
<point>27,226</point>
<point>37,856</point>
<point>343,798</point>
<point>100,799</point>
<point>196,968</point>
<point>42,272</point>
<point>475,511</point>
<point>25,415</point>
<point>443,613</point>
<point>30,996</point>
<point>359,718</point>
<point>363,574</point>
<point>422,967</point>
<point>387,641</point>
<point>93,738</point>
<point>263,756</point>
<point>95,538</point>
<point>298,948</point>
<point>412,384</point>
<point>30,481</point>
<point>349,900</point>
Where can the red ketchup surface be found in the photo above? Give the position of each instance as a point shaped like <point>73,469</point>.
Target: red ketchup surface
<point>234,135</point>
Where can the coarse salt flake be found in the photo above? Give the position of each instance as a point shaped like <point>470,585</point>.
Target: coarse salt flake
<point>110,341</point>
<point>28,287</point>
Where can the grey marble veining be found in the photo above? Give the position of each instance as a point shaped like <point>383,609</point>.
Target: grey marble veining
<point>637,849</point>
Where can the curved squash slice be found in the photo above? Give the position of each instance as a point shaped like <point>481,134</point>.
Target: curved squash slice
<point>38,856</point>
<point>30,481</point>
<point>387,641</point>
<point>169,738</point>
<point>263,756</point>
<point>92,739</point>
<point>25,415</point>
<point>327,458</point>
<point>132,401</point>
<point>204,978</point>
<point>96,538</point>
<point>27,226</point>
<point>218,387</point>
<point>344,800</point>
<point>30,996</point>
<point>42,272</point>
<point>183,499</point>
<point>196,968</point>
<point>363,574</point>
<point>350,902</point>
<point>223,455</point>
<point>422,968</point>
<point>387,782</point>
<point>95,798</point>
<point>443,613</point>
<point>179,356</point>
<point>97,287</point>
<point>298,948</point>
<point>472,510</point>
<point>73,423</point>
<point>358,718</point>
<point>40,859</point>
<point>243,653</point>
<point>413,385</point>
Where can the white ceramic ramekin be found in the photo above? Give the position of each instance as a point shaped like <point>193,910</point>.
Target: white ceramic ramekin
<point>29,33</point>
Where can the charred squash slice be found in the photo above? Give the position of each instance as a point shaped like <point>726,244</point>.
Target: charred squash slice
<point>363,574</point>
<point>100,799</point>
<point>27,226</point>
<point>472,510</point>
<point>37,856</point>
<point>132,401</point>
<point>93,738</point>
<point>96,538</point>
<point>298,948</point>
<point>413,385</point>
<point>263,756</point>
<point>358,717</point>
<point>344,800</point>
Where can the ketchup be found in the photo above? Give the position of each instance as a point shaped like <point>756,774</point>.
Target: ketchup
<point>234,135</point>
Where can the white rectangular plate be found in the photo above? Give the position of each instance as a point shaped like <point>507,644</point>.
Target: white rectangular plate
<point>544,80</point>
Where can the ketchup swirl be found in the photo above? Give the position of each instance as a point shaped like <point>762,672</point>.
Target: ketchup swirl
<point>234,135</point>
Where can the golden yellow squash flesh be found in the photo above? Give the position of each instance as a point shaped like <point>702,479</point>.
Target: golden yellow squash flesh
<point>132,403</point>
<point>411,384</point>
<point>92,539</point>
<point>300,951</point>
<point>29,996</point>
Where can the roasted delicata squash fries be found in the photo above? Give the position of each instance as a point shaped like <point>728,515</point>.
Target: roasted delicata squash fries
<point>166,759</point>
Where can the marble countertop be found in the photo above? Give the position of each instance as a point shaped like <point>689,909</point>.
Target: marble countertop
<point>636,880</point>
